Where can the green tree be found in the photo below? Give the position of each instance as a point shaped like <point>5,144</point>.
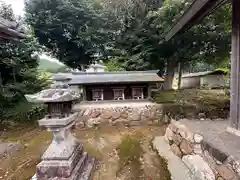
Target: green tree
<point>70,29</point>
<point>18,71</point>
<point>146,48</point>
<point>113,65</point>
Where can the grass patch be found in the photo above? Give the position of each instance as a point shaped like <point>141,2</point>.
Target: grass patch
<point>94,152</point>
<point>129,152</point>
<point>189,102</point>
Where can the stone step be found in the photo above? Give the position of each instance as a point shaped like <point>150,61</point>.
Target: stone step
<point>76,173</point>
<point>178,170</point>
<point>88,169</point>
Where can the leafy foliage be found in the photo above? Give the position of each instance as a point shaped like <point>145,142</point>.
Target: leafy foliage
<point>140,36</point>
<point>113,65</point>
<point>70,29</point>
<point>130,33</point>
<point>18,74</point>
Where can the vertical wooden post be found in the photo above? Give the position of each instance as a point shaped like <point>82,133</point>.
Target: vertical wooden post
<point>149,91</point>
<point>235,68</point>
<point>84,93</point>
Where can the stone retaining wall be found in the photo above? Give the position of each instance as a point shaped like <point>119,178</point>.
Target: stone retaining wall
<point>129,116</point>
<point>191,148</point>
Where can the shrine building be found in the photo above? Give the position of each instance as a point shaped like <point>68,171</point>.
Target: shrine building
<point>118,86</point>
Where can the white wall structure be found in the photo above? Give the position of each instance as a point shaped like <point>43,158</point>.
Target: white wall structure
<point>210,79</point>
<point>96,68</point>
<point>213,81</point>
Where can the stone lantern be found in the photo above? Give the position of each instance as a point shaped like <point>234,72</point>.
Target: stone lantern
<point>64,159</point>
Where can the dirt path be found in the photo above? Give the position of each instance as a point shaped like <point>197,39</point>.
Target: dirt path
<point>100,142</point>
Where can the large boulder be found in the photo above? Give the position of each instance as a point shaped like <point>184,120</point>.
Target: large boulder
<point>115,116</point>
<point>175,149</point>
<point>95,114</point>
<point>106,115</point>
<point>168,135</point>
<point>177,139</point>
<point>226,172</point>
<point>186,147</point>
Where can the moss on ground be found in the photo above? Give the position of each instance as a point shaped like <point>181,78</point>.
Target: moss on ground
<point>189,102</point>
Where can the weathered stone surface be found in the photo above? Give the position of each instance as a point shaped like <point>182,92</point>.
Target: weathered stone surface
<point>198,167</point>
<point>124,115</point>
<point>120,121</point>
<point>106,115</point>
<point>146,113</point>
<point>190,137</point>
<point>197,149</point>
<point>64,158</point>
<point>80,113</point>
<point>234,164</point>
<point>115,116</point>
<point>168,135</point>
<point>175,125</point>
<point>79,125</point>
<point>95,114</point>
<point>226,172</point>
<point>210,161</point>
<point>186,147</point>
<point>93,122</point>
<point>87,112</point>
<point>135,117</point>
<point>202,116</point>
<point>177,139</point>
<point>175,149</point>
<point>56,93</point>
<point>134,123</point>
<point>198,138</point>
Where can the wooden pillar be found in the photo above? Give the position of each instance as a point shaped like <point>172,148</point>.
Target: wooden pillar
<point>149,91</point>
<point>235,69</point>
<point>84,93</point>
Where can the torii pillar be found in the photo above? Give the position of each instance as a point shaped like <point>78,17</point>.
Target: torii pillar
<point>234,126</point>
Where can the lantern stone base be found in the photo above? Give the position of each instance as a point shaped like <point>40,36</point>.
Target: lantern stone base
<point>78,167</point>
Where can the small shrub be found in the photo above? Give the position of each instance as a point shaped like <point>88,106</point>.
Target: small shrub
<point>23,112</point>
<point>165,97</point>
<point>129,150</point>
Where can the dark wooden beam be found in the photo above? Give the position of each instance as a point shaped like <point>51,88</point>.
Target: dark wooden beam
<point>195,13</point>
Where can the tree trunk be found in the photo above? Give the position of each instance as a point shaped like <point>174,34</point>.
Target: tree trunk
<point>169,76</point>
<point>179,75</point>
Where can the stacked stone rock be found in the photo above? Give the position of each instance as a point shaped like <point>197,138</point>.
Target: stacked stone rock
<point>190,148</point>
<point>64,159</point>
<point>130,116</point>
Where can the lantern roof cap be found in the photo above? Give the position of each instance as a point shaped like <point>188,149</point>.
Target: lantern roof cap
<point>56,93</point>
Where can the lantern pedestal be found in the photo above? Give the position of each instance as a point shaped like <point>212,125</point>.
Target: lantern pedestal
<point>65,158</point>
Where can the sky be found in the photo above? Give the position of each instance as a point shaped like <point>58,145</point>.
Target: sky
<point>17,5</point>
<point>18,8</point>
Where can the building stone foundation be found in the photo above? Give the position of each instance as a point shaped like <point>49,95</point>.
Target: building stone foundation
<point>127,115</point>
<point>199,156</point>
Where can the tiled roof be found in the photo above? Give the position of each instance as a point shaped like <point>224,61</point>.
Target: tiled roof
<point>203,73</point>
<point>10,30</point>
<point>109,77</point>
